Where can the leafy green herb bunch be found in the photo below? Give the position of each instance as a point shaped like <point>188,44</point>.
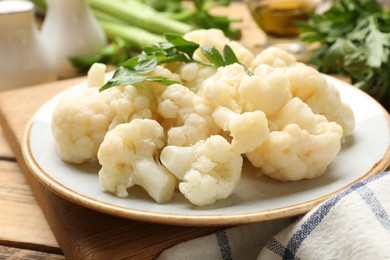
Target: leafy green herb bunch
<point>353,39</point>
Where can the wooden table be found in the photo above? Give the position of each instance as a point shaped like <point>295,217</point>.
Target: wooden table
<point>24,231</point>
<point>37,224</point>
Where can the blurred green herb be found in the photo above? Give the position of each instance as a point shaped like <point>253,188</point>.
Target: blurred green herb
<point>204,17</point>
<point>353,40</point>
<point>170,6</point>
<point>116,52</point>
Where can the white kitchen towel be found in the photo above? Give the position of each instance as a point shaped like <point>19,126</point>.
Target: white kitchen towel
<point>240,242</point>
<point>354,224</point>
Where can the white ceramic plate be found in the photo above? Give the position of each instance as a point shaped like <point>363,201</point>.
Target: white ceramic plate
<point>256,198</point>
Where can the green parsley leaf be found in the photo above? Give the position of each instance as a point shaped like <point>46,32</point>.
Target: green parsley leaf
<point>181,44</point>
<point>226,58</point>
<point>176,49</point>
<point>376,43</point>
<point>353,39</point>
<point>213,55</point>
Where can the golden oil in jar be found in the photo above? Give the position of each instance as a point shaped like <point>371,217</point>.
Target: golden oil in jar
<point>277,17</point>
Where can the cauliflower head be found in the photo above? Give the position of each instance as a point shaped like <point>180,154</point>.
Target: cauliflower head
<point>302,148</point>
<point>195,128</point>
<point>274,57</point>
<point>131,103</point>
<point>222,89</point>
<point>127,156</point>
<point>208,171</point>
<point>156,86</point>
<point>80,122</point>
<point>248,130</point>
<point>96,75</point>
<point>216,38</point>
<point>267,90</point>
<point>193,74</point>
<point>323,98</point>
<point>184,114</point>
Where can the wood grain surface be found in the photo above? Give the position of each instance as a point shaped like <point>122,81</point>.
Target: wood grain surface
<point>81,233</point>
<point>5,150</point>
<point>17,253</point>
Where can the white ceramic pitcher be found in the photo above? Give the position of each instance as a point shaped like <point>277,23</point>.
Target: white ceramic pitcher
<point>23,60</point>
<point>70,29</point>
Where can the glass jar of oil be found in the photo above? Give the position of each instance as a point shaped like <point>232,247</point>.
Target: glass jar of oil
<point>277,19</point>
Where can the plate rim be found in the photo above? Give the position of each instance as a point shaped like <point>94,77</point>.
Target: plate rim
<point>188,219</point>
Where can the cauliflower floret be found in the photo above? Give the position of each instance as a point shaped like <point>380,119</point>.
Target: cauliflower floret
<point>195,128</point>
<point>176,106</point>
<point>207,37</point>
<point>156,86</point>
<point>209,170</point>
<point>193,74</point>
<point>96,75</point>
<point>244,55</point>
<point>303,147</point>
<point>248,130</point>
<point>322,97</point>
<point>132,103</point>
<point>274,57</point>
<point>79,123</point>
<point>222,89</point>
<point>267,90</point>
<point>127,158</point>
<point>217,39</point>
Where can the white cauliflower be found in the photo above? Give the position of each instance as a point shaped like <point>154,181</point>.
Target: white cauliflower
<point>193,74</point>
<point>222,89</point>
<point>208,171</point>
<point>127,156</point>
<point>207,37</point>
<point>286,119</point>
<point>195,128</point>
<point>267,90</point>
<point>176,106</point>
<point>80,122</point>
<point>96,75</point>
<point>303,147</point>
<point>156,86</point>
<point>323,98</point>
<point>248,130</point>
<point>216,38</point>
<point>274,57</point>
<point>131,103</point>
<point>244,55</point>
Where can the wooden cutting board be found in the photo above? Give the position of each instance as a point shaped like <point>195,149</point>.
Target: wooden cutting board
<point>83,233</point>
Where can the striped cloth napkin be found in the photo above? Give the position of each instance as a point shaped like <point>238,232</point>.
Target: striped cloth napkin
<point>354,224</point>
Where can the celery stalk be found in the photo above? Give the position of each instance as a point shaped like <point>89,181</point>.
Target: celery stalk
<point>102,16</point>
<point>134,35</point>
<point>140,15</point>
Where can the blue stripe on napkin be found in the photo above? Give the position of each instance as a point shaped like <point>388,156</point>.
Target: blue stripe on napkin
<point>279,249</point>
<point>376,207</point>
<point>289,252</point>
<point>224,246</point>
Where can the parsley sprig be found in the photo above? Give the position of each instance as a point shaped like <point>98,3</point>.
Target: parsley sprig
<point>354,40</point>
<point>175,49</point>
